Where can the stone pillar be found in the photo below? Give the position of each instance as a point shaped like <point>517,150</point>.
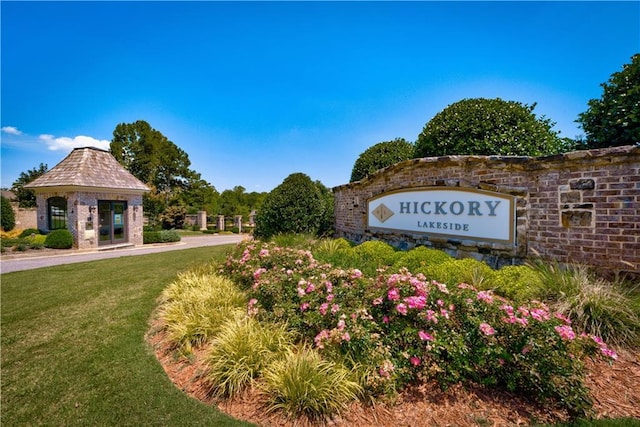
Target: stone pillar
<point>201,220</point>
<point>237,222</point>
<point>220,224</point>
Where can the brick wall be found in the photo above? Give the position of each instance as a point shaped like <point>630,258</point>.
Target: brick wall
<point>582,206</point>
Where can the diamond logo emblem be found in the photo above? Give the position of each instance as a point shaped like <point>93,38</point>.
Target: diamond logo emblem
<point>382,212</point>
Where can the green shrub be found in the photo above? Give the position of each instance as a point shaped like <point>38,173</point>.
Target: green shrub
<point>195,306</point>
<point>467,270</point>
<point>298,205</point>
<point>292,240</point>
<point>518,282</point>
<point>240,351</point>
<point>7,215</point>
<point>418,259</point>
<point>162,236</point>
<point>28,232</point>
<point>167,236</point>
<point>303,383</point>
<point>207,231</point>
<point>59,239</point>
<point>374,254</point>
<point>380,156</point>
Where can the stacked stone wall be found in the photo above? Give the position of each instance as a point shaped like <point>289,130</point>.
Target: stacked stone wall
<point>582,206</point>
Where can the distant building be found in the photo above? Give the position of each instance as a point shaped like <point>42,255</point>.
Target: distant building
<point>94,197</point>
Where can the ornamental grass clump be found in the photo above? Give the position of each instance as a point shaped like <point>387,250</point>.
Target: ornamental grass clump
<point>240,352</point>
<point>303,383</point>
<point>195,306</point>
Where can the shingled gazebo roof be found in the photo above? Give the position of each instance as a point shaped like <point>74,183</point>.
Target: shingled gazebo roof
<point>89,169</point>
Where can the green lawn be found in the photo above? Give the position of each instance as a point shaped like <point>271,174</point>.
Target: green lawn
<point>73,348</point>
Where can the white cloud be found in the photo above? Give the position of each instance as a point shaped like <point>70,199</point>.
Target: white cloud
<point>67,144</point>
<point>12,130</point>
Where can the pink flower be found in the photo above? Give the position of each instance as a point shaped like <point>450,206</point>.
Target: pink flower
<point>301,292</point>
<point>523,311</point>
<point>341,324</point>
<point>507,308</point>
<point>444,313</point>
<point>356,274</point>
<point>424,336</point>
<point>330,297</point>
<point>304,306</point>
<point>431,316</point>
<point>486,329</point>
<point>346,337</point>
<point>485,296</point>
<point>440,302</point>
<point>609,353</point>
<point>310,288</point>
<point>415,361</point>
<point>539,314</point>
<point>289,272</point>
<point>377,301</point>
<point>258,272</point>
<point>562,317</point>
<point>393,294</point>
<point>324,334</point>
<point>385,319</point>
<point>323,308</point>
<point>418,302</point>
<point>402,309</point>
<point>263,253</point>
<point>329,287</point>
<point>565,332</point>
<point>335,308</point>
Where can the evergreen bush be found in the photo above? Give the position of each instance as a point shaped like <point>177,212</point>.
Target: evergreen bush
<point>298,205</point>
<point>59,239</point>
<point>8,216</point>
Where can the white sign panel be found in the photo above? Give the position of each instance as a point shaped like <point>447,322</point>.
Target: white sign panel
<point>462,213</point>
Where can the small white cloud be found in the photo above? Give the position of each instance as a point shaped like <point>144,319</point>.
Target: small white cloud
<point>67,144</point>
<point>12,130</point>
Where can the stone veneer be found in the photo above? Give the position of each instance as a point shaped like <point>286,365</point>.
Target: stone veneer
<point>78,204</point>
<point>582,206</point>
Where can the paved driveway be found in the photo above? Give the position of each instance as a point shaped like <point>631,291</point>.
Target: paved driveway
<point>12,263</point>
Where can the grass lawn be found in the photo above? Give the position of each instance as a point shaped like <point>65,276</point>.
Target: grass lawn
<point>73,348</point>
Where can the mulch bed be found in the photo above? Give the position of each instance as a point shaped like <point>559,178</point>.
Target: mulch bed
<point>615,391</point>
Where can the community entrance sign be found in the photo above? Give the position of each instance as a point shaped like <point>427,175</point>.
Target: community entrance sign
<point>458,213</point>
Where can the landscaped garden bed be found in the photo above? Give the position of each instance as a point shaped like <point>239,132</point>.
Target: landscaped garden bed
<point>281,334</point>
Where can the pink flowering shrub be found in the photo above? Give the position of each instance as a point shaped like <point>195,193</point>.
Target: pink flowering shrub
<point>403,327</point>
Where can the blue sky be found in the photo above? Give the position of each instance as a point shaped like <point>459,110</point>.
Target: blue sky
<point>255,91</point>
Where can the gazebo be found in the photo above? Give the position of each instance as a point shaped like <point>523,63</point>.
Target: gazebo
<point>94,197</point>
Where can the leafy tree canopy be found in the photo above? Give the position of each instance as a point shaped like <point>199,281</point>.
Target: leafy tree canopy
<point>238,202</point>
<point>150,156</point>
<point>380,156</point>
<point>480,126</point>
<point>27,198</point>
<point>298,205</point>
<point>614,119</point>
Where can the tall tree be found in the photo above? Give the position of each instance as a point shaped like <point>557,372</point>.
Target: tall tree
<point>27,198</point>
<point>488,127</point>
<point>155,160</point>
<point>150,156</point>
<point>614,119</point>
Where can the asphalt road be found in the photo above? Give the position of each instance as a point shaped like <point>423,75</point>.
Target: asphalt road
<point>29,261</point>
